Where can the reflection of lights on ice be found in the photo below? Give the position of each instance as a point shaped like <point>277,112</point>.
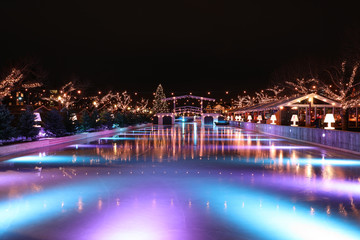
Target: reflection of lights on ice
<point>273,216</point>
<point>312,211</point>
<point>328,210</point>
<point>283,224</point>
<point>308,172</point>
<point>100,203</point>
<point>80,205</point>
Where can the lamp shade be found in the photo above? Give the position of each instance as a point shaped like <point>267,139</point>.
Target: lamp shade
<point>294,118</point>
<point>259,118</point>
<point>249,117</point>
<point>329,118</point>
<point>37,117</point>
<point>273,119</point>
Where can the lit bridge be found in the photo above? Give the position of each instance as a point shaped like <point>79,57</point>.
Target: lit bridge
<point>169,118</point>
<point>188,109</point>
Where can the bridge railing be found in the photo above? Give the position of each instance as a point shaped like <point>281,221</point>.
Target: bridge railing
<point>188,109</point>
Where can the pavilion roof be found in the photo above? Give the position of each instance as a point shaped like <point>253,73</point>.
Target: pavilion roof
<point>291,102</point>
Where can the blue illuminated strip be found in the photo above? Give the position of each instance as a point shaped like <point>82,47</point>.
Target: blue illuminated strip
<point>266,216</point>
<point>319,161</point>
<point>51,159</point>
<point>37,207</point>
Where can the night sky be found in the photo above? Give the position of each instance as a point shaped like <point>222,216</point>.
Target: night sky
<point>193,45</point>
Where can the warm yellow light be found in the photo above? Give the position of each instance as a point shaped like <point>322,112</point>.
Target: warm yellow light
<point>329,118</point>
<point>273,119</point>
<point>249,118</point>
<point>294,119</point>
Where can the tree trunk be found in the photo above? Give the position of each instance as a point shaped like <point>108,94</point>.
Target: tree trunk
<point>344,119</point>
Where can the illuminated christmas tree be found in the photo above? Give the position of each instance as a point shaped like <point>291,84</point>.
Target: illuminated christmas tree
<point>159,104</point>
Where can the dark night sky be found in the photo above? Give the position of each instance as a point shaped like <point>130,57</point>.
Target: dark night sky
<point>193,45</point>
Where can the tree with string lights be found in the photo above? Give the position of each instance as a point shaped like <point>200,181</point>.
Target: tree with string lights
<point>243,101</point>
<point>113,102</point>
<point>159,104</point>
<point>303,86</point>
<point>123,101</point>
<point>342,85</point>
<point>276,91</point>
<point>66,96</point>
<point>25,74</point>
<point>142,105</point>
<point>8,84</point>
<point>263,98</point>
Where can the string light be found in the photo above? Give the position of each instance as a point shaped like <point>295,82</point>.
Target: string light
<point>7,85</point>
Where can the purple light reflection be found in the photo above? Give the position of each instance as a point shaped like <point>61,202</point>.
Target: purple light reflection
<point>16,178</point>
<point>259,147</point>
<point>145,221</point>
<point>327,186</point>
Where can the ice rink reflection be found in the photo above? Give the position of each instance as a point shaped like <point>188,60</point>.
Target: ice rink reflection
<point>181,182</point>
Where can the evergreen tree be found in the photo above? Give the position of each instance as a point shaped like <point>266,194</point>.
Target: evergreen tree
<point>6,130</point>
<point>86,121</point>
<point>95,119</point>
<point>130,119</point>
<point>71,125</point>
<point>54,124</point>
<point>160,105</point>
<point>26,125</point>
<point>106,119</point>
<point>119,119</point>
